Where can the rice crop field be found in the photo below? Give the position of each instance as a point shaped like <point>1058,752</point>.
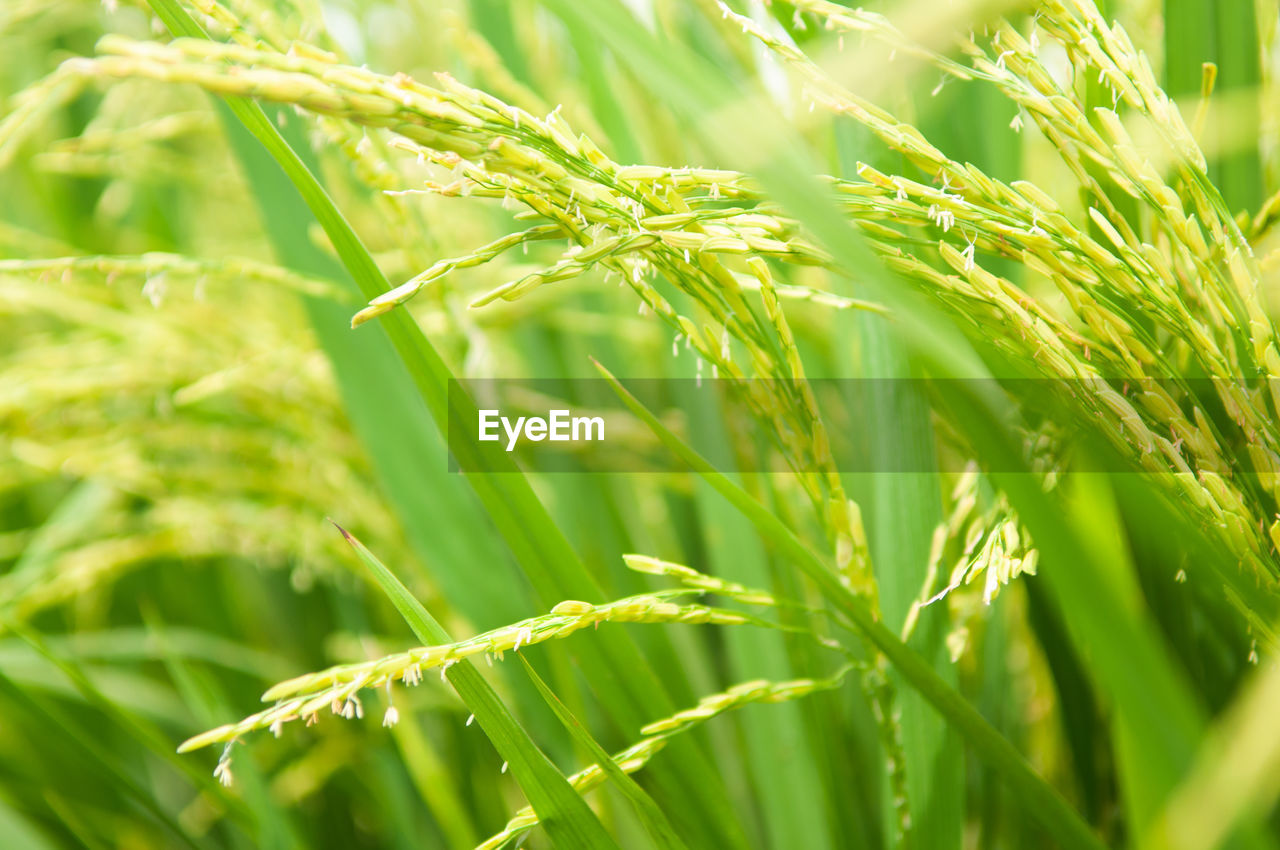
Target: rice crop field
<point>667,424</point>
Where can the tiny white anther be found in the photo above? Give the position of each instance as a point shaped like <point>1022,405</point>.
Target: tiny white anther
<point>968,252</point>
<point>223,772</point>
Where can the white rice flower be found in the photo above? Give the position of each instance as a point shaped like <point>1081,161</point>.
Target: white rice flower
<point>223,773</point>
<point>967,253</point>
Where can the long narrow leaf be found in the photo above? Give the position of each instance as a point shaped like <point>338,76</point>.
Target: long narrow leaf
<point>653,818</point>
<point>549,560</point>
<point>568,819</point>
<point>1041,800</point>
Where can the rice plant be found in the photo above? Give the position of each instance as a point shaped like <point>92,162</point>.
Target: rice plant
<point>937,502</point>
